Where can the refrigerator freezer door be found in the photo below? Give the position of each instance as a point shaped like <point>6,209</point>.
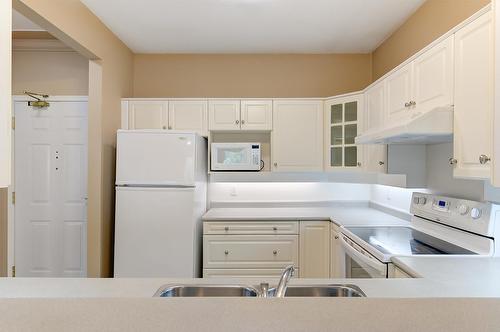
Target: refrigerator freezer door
<point>155,232</point>
<point>155,158</point>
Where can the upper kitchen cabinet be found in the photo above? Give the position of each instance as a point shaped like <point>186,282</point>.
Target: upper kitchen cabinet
<point>297,136</point>
<point>257,115</point>
<point>224,114</point>
<point>374,155</point>
<point>230,115</point>
<point>145,114</point>
<point>343,119</point>
<point>182,114</point>
<point>474,97</point>
<point>422,84</point>
<point>191,115</point>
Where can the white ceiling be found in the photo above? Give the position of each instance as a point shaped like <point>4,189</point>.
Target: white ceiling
<point>253,26</point>
<point>21,23</point>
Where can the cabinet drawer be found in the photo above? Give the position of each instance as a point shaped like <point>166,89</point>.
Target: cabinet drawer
<point>249,251</point>
<point>251,227</point>
<point>263,274</point>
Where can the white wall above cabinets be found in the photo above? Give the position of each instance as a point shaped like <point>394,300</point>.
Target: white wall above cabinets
<point>235,114</point>
<point>171,114</point>
<point>474,97</point>
<point>343,120</point>
<point>297,136</point>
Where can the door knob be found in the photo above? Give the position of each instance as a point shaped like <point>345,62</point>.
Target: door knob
<point>483,159</point>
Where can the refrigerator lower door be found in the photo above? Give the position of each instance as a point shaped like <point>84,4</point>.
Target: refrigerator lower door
<point>156,158</point>
<point>156,232</point>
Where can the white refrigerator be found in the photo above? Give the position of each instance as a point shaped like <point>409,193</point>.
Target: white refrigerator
<point>161,189</point>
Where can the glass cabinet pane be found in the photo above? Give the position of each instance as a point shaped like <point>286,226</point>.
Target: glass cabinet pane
<point>351,111</point>
<point>351,131</point>
<point>336,157</point>
<point>336,135</point>
<point>336,113</point>
<point>351,156</point>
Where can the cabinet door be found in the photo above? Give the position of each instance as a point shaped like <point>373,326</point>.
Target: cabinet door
<point>473,115</point>
<point>314,249</point>
<point>188,115</point>
<point>297,136</point>
<point>433,85</point>
<point>224,114</point>
<point>337,265</point>
<point>256,114</point>
<point>374,107</point>
<point>148,114</point>
<point>343,123</point>
<point>399,88</point>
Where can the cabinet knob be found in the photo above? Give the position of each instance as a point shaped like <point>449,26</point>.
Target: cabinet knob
<point>275,228</point>
<point>237,121</point>
<point>242,122</point>
<point>381,163</point>
<point>483,159</point>
<point>413,103</point>
<point>359,164</point>
<point>275,164</point>
<point>164,127</point>
<point>226,228</point>
<point>169,127</point>
<point>275,252</point>
<point>407,104</point>
<point>336,237</point>
<point>452,161</point>
<point>226,252</point>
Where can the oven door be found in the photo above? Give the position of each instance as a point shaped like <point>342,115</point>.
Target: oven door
<point>359,263</point>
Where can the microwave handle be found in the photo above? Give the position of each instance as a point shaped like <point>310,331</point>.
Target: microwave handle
<point>361,257</point>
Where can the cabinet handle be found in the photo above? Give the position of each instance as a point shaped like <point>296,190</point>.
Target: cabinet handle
<point>226,228</point>
<point>275,252</point>
<point>237,121</point>
<point>452,161</point>
<point>483,159</point>
<point>381,163</point>
<point>226,252</point>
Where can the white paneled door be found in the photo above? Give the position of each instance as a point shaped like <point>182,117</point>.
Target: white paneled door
<point>51,190</point>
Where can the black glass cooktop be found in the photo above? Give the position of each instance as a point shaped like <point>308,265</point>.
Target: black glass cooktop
<point>406,241</point>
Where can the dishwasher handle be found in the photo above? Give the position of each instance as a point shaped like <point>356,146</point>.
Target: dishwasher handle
<point>360,257</point>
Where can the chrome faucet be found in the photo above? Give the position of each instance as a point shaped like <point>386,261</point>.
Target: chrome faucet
<point>285,278</point>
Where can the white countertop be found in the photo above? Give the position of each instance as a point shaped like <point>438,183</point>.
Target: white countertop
<point>341,215</point>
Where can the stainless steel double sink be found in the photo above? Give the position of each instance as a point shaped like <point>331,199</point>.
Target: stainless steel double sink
<point>197,290</point>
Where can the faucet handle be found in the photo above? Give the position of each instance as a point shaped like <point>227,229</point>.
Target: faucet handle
<point>264,289</point>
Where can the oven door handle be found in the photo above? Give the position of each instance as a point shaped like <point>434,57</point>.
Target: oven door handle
<point>372,262</point>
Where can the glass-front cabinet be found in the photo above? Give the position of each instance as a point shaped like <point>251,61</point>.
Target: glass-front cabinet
<point>343,120</point>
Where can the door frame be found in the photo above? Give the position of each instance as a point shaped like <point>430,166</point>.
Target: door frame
<point>11,257</point>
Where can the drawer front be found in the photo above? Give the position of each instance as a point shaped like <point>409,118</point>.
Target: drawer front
<point>259,274</point>
<point>251,227</point>
<point>250,251</point>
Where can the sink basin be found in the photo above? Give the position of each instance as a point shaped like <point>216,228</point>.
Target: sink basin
<point>206,291</point>
<point>321,291</point>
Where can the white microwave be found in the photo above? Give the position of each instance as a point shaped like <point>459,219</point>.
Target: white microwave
<point>235,157</point>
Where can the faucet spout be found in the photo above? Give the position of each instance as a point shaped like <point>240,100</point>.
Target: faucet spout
<point>283,283</point>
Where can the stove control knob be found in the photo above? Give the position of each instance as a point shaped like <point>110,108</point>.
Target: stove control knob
<point>475,213</point>
<point>422,200</point>
<point>463,209</point>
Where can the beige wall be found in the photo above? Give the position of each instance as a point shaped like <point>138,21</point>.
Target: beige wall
<point>281,75</point>
<point>431,20</point>
<point>54,73</point>
<point>71,22</point>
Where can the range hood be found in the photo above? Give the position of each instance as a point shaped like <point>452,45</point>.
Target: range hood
<point>434,126</point>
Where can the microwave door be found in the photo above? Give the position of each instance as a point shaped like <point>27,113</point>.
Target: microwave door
<point>359,265</point>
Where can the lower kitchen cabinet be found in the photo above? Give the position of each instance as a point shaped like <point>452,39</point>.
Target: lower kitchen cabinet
<point>337,264</point>
<point>314,249</point>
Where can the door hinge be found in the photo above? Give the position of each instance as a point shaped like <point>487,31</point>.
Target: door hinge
<point>13,197</point>
<point>13,271</point>
<point>13,123</point>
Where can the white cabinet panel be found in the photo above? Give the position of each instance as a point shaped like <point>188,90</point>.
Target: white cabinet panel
<point>374,107</point>
<point>297,136</point>
<point>399,93</point>
<point>337,261</point>
<point>224,114</point>
<point>250,251</point>
<point>474,83</point>
<point>315,249</point>
<point>147,114</point>
<point>433,82</point>
<point>256,114</point>
<point>191,115</point>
